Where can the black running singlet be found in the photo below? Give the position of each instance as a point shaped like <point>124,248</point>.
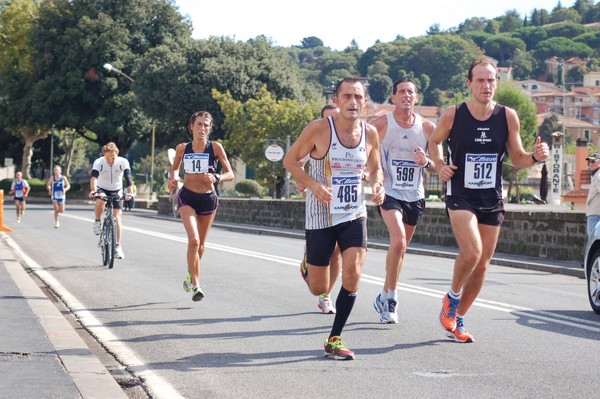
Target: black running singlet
<point>477,148</point>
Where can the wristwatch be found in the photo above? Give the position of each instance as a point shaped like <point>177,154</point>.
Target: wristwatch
<point>217,177</point>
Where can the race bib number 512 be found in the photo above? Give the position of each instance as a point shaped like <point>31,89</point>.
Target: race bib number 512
<point>480,171</point>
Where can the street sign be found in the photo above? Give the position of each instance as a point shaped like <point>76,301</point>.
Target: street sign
<point>274,153</point>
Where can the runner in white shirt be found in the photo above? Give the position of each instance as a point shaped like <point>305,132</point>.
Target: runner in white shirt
<point>403,139</point>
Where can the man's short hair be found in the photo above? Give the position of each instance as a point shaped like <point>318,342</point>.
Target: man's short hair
<point>326,107</point>
<point>405,80</point>
<point>351,81</point>
<point>481,61</point>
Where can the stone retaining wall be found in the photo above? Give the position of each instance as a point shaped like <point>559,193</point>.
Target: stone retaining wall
<point>559,235</point>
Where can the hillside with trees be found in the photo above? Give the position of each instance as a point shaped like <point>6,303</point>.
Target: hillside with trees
<point>52,78</point>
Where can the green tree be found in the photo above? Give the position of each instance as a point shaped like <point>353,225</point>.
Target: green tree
<point>591,39</point>
<point>472,24</point>
<point>185,76</point>
<point>549,126</point>
<point>523,65</point>
<point>336,61</point>
<point>18,111</point>
<point>517,99</point>
<point>252,125</point>
<point>502,48</point>
<point>566,30</point>
<point>445,58</point>
<point>592,15</point>
<point>511,96</point>
<point>72,40</point>
<point>311,42</point>
<point>531,35</point>
<point>510,21</point>
<point>566,14</point>
<point>539,17</point>
<point>380,88</point>
<point>562,47</point>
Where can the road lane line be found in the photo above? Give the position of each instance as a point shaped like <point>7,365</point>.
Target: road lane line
<point>516,310</point>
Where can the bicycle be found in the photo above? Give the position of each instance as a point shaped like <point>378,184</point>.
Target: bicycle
<point>108,233</point>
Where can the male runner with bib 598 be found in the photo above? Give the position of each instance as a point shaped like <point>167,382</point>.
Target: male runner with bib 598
<point>108,172</point>
<point>339,146</point>
<point>479,132</point>
<point>197,200</point>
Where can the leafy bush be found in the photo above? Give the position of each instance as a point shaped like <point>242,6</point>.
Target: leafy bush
<point>250,188</point>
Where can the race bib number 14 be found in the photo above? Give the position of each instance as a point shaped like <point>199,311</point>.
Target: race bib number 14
<point>195,163</point>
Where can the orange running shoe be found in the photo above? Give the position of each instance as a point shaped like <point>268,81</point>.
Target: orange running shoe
<point>448,313</point>
<point>460,334</point>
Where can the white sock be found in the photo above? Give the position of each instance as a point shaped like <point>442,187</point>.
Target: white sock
<point>454,295</point>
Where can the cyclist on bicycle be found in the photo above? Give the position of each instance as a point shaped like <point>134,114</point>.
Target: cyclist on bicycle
<point>107,173</point>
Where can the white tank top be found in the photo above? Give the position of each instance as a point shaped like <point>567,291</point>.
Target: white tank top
<point>340,169</point>
<point>402,177</point>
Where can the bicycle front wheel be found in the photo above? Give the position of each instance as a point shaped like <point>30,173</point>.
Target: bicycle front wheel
<point>111,241</point>
<point>103,244</point>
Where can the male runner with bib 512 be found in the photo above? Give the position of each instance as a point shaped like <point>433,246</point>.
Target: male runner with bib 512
<point>479,132</point>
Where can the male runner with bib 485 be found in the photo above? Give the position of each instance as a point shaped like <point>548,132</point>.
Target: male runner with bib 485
<point>339,146</point>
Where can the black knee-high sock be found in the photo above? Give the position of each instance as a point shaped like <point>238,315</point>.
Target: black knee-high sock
<point>344,304</point>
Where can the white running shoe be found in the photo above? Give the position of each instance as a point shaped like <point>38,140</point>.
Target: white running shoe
<point>119,252</point>
<point>389,314</point>
<point>325,304</point>
<point>97,227</point>
<point>379,304</point>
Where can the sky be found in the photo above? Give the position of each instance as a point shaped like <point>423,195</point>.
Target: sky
<point>337,23</point>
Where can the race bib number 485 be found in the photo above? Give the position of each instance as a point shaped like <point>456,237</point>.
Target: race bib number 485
<point>480,171</point>
<point>346,197</point>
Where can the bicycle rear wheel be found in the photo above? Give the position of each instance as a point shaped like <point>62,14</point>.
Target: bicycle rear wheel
<point>111,242</point>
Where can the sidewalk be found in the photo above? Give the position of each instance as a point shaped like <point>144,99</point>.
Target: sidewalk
<point>42,356</point>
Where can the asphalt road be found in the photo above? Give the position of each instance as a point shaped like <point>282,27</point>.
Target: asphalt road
<point>259,334</point>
